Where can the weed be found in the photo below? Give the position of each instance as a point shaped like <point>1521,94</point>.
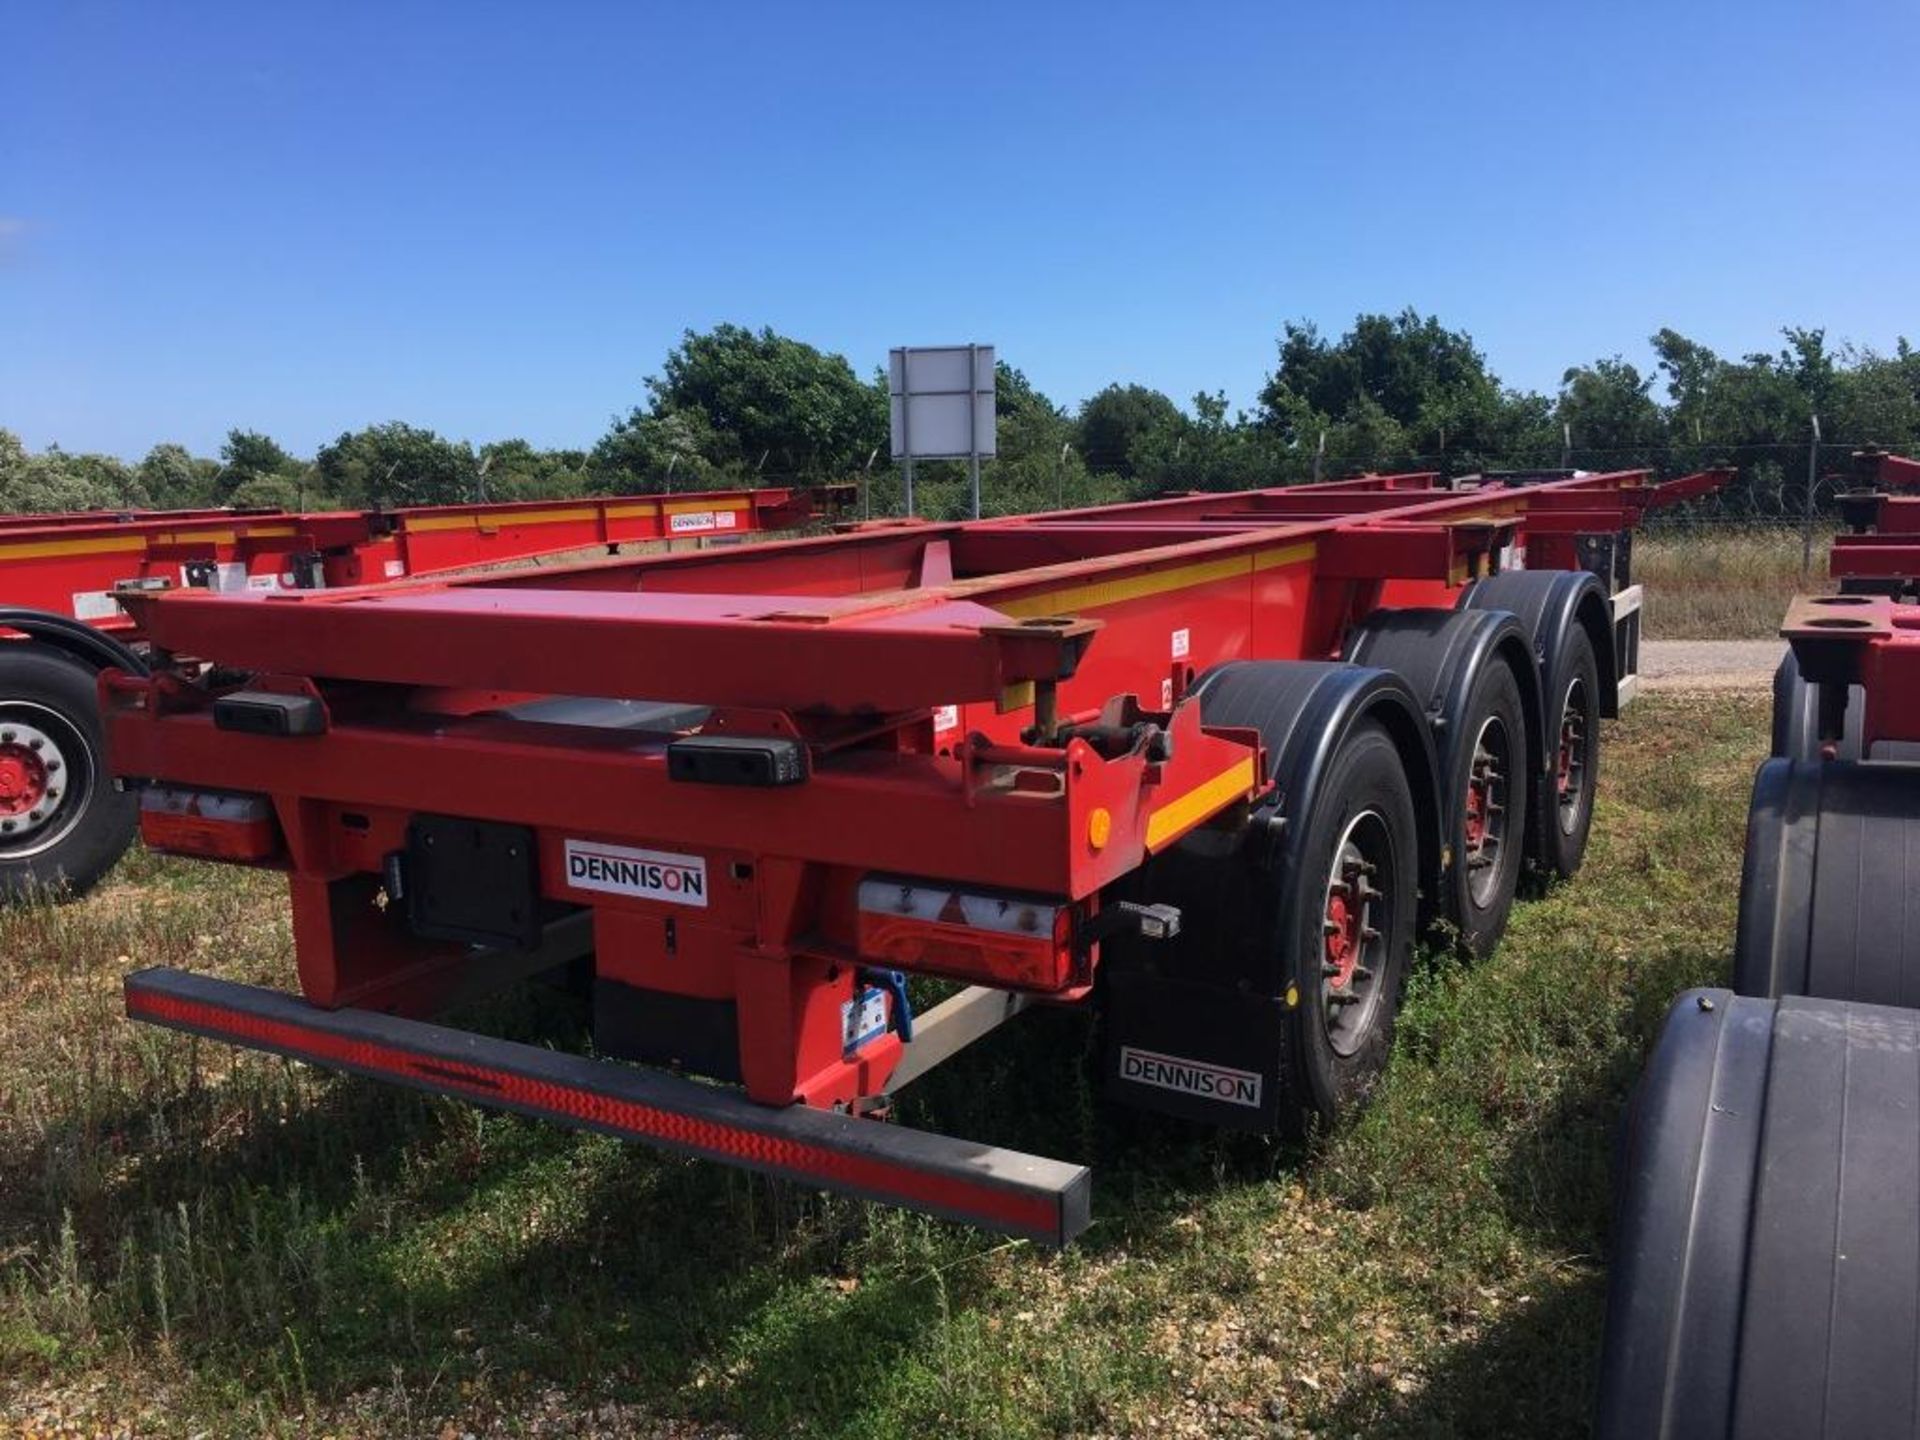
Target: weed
<point>1723,583</point>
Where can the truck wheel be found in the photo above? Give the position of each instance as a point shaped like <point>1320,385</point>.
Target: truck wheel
<point>61,823</point>
<point>1473,672</point>
<point>1349,923</point>
<point>1487,834</point>
<point>1563,812</point>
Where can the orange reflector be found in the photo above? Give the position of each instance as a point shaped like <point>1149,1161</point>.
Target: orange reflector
<point>1099,827</point>
<point>1013,941</point>
<point>214,824</point>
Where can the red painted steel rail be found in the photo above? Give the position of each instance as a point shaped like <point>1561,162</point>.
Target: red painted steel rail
<point>1884,540</point>
<point>71,564</point>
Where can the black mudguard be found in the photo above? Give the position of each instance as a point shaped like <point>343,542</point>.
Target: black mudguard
<point>1830,887</point>
<point>1440,654</point>
<point>76,638</point>
<point>1765,1276</point>
<point>1548,603</point>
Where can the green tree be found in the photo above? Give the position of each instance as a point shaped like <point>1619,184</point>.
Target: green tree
<point>651,450</point>
<point>173,480</point>
<point>1610,411</point>
<point>1759,401</point>
<point>742,397</point>
<point>1394,390</point>
<point>1877,400</point>
<point>54,480</point>
<point>515,470</point>
<point>1037,466</point>
<point>1403,363</point>
<point>397,464</point>
<point>266,492</point>
<point>249,455</point>
<point>1212,450</point>
<point>1112,422</point>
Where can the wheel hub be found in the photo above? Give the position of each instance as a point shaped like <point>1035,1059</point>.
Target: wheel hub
<point>1350,941</point>
<point>1570,758</point>
<point>1343,939</point>
<point>1485,827</point>
<point>32,778</point>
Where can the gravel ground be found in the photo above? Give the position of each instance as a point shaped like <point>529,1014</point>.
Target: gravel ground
<point>1675,665</point>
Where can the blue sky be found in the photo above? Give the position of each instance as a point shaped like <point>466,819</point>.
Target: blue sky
<point>495,220</point>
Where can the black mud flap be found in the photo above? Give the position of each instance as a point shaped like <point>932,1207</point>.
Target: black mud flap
<point>1198,1052</point>
<point>657,1028</point>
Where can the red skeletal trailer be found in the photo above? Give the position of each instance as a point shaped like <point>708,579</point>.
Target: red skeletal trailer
<point>1211,763</point>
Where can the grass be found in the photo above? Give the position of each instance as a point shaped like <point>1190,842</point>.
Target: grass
<point>1721,583</point>
<point>195,1240</point>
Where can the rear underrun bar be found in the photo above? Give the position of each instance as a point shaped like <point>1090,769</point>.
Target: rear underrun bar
<point>1002,1190</point>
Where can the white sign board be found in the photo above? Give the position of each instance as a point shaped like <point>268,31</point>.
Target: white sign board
<point>942,401</point>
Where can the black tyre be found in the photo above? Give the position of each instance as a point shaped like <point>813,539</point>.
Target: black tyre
<point>1563,809</point>
<point>1349,924</point>
<point>1826,891</point>
<point>1796,716</point>
<point>1487,829</point>
<point>62,825</point>
<point>1765,1268</point>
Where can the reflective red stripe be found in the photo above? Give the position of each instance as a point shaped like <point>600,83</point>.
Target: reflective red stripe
<point>479,1083</point>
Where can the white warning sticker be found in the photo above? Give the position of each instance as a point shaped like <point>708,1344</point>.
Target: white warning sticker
<point>394,569</point>
<point>945,718</point>
<point>862,1018</point>
<point>1182,644</point>
<point>644,874</point>
<point>263,582</point>
<point>94,605</point>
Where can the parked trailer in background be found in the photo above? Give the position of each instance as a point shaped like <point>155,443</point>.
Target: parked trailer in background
<point>61,622</point>
<point>1766,1279</point>
<point>1210,762</point>
<point>1873,557</point>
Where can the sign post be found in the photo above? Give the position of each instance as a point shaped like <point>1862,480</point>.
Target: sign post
<point>941,402</point>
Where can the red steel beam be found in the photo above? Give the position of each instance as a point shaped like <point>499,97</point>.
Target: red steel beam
<point>769,651</point>
<point>821,636</point>
<point>1863,640</point>
<point>70,564</point>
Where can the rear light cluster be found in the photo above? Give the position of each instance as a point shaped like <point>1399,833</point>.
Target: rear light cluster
<point>996,938</point>
<point>214,824</point>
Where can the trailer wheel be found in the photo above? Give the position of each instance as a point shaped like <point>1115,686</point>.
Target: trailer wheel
<point>1273,1008</point>
<point>1563,812</point>
<point>1349,924</point>
<point>61,823</point>
<point>1488,829</point>
<point>1473,671</point>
